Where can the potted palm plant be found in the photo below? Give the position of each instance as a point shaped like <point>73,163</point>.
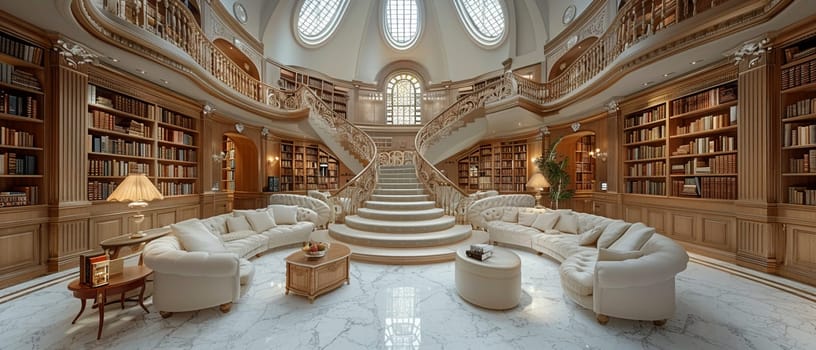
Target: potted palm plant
<point>554,168</point>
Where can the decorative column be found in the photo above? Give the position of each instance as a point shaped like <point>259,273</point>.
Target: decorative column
<point>760,242</point>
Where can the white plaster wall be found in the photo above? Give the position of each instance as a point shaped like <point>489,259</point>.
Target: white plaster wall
<point>555,12</point>
<point>253,9</point>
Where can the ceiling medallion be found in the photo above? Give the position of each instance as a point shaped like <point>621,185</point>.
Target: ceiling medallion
<point>569,14</point>
<point>240,12</point>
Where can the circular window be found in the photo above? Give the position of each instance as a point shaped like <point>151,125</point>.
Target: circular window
<point>484,20</point>
<point>317,20</point>
<point>401,23</point>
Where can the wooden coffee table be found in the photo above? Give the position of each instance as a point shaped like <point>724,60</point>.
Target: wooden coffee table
<point>132,277</point>
<point>312,277</point>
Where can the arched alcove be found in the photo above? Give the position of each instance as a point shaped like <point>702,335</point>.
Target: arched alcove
<point>240,170</point>
<point>235,55</point>
<point>580,163</point>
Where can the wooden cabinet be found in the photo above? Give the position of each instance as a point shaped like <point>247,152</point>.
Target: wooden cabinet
<point>313,277</point>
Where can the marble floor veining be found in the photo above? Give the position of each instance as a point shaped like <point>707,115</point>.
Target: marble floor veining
<point>416,307</point>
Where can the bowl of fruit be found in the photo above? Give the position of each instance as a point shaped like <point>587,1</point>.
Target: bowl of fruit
<point>313,249</point>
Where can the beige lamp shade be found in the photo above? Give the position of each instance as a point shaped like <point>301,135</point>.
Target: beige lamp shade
<point>538,182</point>
<point>136,189</point>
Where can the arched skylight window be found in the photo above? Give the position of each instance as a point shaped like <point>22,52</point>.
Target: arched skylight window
<point>484,20</point>
<point>403,100</point>
<point>317,20</point>
<point>402,23</point>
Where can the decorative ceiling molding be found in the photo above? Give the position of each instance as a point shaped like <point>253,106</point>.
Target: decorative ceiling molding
<point>74,53</point>
<point>752,50</point>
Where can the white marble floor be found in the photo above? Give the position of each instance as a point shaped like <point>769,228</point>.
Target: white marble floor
<point>411,307</point>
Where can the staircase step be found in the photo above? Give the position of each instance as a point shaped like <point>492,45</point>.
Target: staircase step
<point>399,197</point>
<point>387,226</point>
<point>397,176</point>
<point>404,240</point>
<point>397,180</point>
<point>411,185</point>
<point>400,215</point>
<point>411,170</point>
<point>399,191</point>
<point>400,205</point>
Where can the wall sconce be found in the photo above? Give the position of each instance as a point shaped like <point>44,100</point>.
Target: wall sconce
<point>219,157</point>
<point>598,154</point>
<point>272,160</point>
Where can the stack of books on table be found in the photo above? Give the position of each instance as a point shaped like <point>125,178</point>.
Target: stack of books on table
<point>480,252</point>
<point>94,270</point>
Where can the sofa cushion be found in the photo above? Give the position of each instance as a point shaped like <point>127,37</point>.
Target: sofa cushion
<point>526,219</point>
<point>238,223</point>
<point>510,214</point>
<point>558,246</point>
<point>545,221</point>
<point>195,237</point>
<point>577,273</point>
<point>612,232</point>
<point>229,237</point>
<point>246,271</point>
<point>634,238</point>
<point>567,222</point>
<point>216,224</point>
<point>617,255</point>
<point>589,221</point>
<point>590,237</point>
<point>249,245</point>
<point>260,221</point>
<point>306,214</point>
<point>284,214</point>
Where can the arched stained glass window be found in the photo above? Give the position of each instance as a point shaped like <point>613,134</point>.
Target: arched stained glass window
<point>485,20</point>
<point>318,19</point>
<point>403,96</point>
<point>401,23</point>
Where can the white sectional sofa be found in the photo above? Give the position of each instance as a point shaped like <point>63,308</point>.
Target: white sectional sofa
<point>203,263</point>
<point>612,267</point>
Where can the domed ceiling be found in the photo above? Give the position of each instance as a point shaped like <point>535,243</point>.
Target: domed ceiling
<point>449,39</point>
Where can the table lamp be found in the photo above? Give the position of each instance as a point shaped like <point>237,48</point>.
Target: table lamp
<point>538,182</point>
<point>138,190</point>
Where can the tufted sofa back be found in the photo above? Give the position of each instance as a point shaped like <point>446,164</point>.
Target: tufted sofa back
<point>492,208</point>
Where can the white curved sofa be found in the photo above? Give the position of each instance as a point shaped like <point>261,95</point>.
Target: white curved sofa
<point>203,263</point>
<point>626,271</point>
<point>325,213</point>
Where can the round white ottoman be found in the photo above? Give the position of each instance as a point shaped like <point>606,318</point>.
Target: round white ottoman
<point>494,283</point>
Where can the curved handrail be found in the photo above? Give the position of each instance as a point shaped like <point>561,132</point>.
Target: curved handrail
<point>173,23</point>
<point>447,194</point>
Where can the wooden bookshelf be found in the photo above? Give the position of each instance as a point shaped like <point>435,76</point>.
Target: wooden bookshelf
<point>22,130</point>
<point>644,138</point>
<point>128,135</point>
<point>306,166</point>
<point>334,96</point>
<point>494,166</point>
<point>798,115</point>
<point>584,163</point>
<point>703,143</point>
<point>228,166</point>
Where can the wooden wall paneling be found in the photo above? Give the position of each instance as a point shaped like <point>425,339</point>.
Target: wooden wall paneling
<point>19,248</point>
<point>166,217</point>
<point>187,212</point>
<point>801,252</point>
<point>633,213</point>
<point>657,218</point>
<point>67,239</point>
<point>69,165</point>
<point>718,232</point>
<point>683,227</point>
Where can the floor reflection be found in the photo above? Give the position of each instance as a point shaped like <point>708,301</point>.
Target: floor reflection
<point>402,320</point>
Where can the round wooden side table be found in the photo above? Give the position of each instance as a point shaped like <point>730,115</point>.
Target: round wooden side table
<point>114,245</point>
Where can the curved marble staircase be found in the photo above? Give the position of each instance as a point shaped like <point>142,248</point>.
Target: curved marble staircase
<point>400,224</point>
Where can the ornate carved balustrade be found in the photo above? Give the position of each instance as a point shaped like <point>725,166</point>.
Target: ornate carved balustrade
<point>445,192</point>
<point>396,158</point>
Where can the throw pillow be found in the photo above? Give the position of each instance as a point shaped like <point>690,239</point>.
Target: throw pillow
<point>612,232</point>
<point>526,219</point>
<point>510,215</point>
<point>216,224</point>
<point>260,221</point>
<point>195,237</point>
<point>567,223</point>
<point>590,236</point>
<point>237,223</point>
<point>617,255</point>
<point>545,221</point>
<point>284,214</point>
<point>634,238</point>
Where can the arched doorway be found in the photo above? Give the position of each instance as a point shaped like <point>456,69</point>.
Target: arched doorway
<point>240,168</point>
<point>579,148</point>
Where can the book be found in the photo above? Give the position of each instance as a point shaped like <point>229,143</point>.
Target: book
<point>479,256</point>
<point>481,248</point>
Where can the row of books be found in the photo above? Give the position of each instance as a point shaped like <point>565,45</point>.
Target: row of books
<point>648,169</point>
<point>175,136</point>
<point>11,75</point>
<point>98,190</point>
<point>169,170</point>
<point>801,107</point>
<point>722,164</point>
<point>655,133</point>
<point>709,122</point>
<point>705,99</point>
<point>648,116</point>
<point>14,137</point>
<point>180,154</point>
<point>94,270</point>
<point>800,74</point>
<point>702,145</point>
<point>103,120</point>
<point>645,152</point>
<point>170,117</point>
<point>12,163</point>
<point>119,102</point>
<point>706,187</point>
<point>801,195</point>
<point>20,196</point>
<point>646,187</point>
<point>176,188</point>
<point>480,252</point>
<point>114,167</point>
<point>21,50</point>
<point>799,135</point>
<point>110,145</point>
<point>805,164</point>
<point>19,105</point>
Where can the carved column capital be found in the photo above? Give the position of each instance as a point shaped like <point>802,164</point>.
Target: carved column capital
<point>752,53</point>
